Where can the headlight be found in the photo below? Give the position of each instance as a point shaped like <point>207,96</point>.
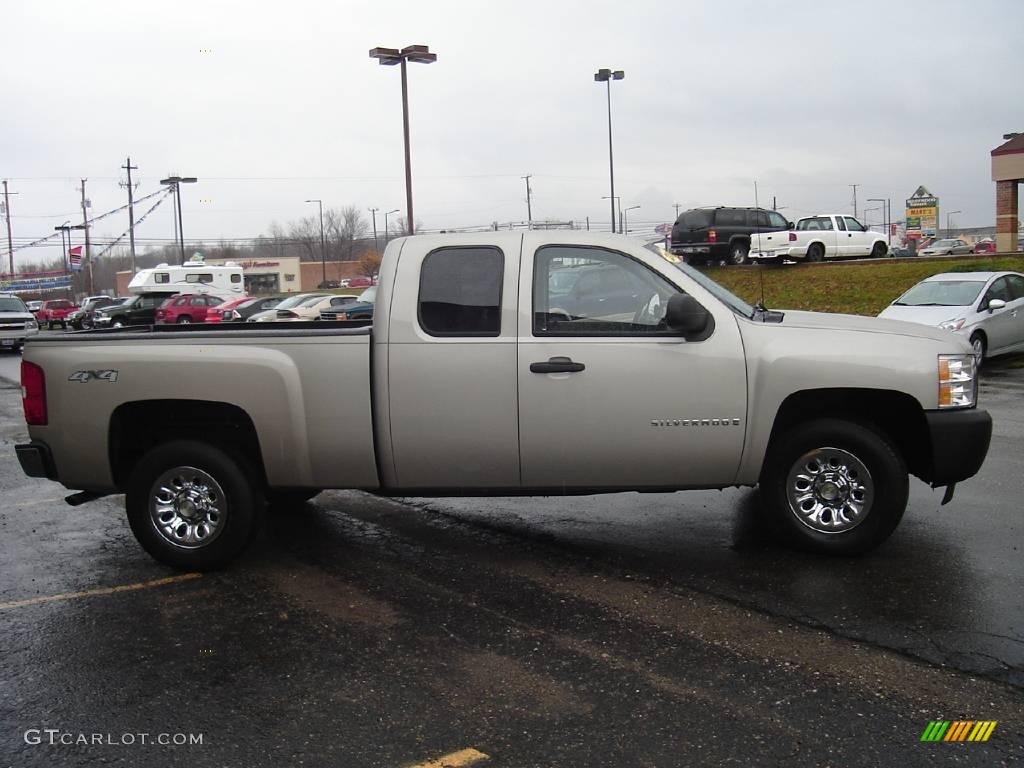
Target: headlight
<point>953,325</point>
<point>958,385</point>
<point>342,316</point>
<point>31,325</point>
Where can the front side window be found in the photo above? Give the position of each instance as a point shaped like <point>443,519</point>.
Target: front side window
<point>853,225</point>
<point>1000,289</point>
<point>460,291</point>
<point>608,294</point>
<point>1016,286</point>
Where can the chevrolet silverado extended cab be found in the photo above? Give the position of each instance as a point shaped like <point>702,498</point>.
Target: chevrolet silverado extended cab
<point>538,363</point>
<point>815,238</point>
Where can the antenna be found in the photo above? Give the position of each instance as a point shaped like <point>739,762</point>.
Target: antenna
<point>760,267</point>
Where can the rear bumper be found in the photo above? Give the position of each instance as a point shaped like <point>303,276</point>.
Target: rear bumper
<point>959,441</point>
<point>36,460</point>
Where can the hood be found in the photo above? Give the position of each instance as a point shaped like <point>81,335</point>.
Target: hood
<point>12,317</point>
<point>925,315</point>
<point>835,322</point>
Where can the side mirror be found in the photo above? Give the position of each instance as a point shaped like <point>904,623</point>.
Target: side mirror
<point>994,304</point>
<point>790,225</point>
<point>689,318</point>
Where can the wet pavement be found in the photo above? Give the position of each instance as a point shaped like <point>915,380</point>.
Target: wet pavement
<point>640,630</point>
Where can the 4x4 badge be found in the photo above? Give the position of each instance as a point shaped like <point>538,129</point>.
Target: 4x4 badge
<point>85,376</point>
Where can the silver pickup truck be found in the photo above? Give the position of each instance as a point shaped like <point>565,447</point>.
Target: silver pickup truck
<point>538,363</point>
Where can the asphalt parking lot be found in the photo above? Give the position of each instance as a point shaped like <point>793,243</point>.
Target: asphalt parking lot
<point>630,629</point>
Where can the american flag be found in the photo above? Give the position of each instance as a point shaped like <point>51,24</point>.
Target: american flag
<point>75,254</point>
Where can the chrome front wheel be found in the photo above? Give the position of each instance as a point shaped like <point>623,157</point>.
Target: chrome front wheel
<point>829,490</point>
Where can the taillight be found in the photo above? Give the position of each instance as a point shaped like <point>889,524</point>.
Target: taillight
<point>792,237</point>
<point>712,236</point>
<point>33,394</point>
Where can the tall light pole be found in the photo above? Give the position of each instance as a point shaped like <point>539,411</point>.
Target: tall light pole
<point>529,202</point>
<point>625,221</point>
<point>376,245</point>
<point>885,215</point>
<point>175,182</point>
<point>615,201</point>
<point>65,242</point>
<point>131,210</point>
<point>323,241</point>
<point>606,76</point>
<point>388,57</point>
<point>387,232</point>
<point>949,225</point>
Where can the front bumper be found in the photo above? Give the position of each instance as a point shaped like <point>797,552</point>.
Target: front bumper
<point>36,460</point>
<point>959,441</point>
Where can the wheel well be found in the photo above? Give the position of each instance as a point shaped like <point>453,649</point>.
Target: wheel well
<point>739,240</point>
<point>897,415</point>
<point>815,244</point>
<point>137,427</point>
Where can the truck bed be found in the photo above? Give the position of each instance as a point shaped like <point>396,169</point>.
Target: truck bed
<point>305,388</point>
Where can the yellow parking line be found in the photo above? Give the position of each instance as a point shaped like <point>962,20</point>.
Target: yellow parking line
<point>103,591</point>
<point>454,760</point>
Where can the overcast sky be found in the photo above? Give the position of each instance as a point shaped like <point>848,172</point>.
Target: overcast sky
<point>803,97</point>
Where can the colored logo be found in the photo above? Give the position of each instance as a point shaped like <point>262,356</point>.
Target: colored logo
<point>959,730</point>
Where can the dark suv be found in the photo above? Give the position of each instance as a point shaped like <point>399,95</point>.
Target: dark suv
<point>703,235</point>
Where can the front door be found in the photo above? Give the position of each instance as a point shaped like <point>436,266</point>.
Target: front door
<point>611,398</point>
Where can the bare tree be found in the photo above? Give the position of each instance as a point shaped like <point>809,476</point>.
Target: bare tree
<point>399,228</point>
<point>305,233</point>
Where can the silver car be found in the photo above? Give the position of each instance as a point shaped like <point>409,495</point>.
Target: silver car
<point>950,247</point>
<point>987,308</point>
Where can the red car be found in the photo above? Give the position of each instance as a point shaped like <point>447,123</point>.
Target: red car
<point>360,282</point>
<point>985,246</point>
<point>215,314</point>
<point>186,308</point>
<point>55,313</point>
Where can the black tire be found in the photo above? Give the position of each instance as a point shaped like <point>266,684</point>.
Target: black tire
<point>888,483</point>
<point>816,252</point>
<point>879,250</point>
<point>980,344</point>
<point>118,322</point>
<point>739,254</point>
<point>240,514</point>
<point>286,499</point>
<point>184,320</point>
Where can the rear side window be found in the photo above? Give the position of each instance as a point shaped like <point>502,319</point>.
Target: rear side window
<point>161,277</point>
<point>728,217</point>
<point>460,292</point>
<point>199,277</point>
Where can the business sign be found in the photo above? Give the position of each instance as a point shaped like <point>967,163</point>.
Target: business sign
<point>664,229</point>
<point>922,214</point>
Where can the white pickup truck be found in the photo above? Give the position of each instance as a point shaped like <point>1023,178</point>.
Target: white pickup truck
<point>815,238</point>
<point>537,363</point>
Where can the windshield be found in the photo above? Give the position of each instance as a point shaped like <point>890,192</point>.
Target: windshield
<point>310,300</point>
<point>292,301</point>
<point>941,293</point>
<point>735,303</point>
<point>369,295</point>
<point>12,304</point>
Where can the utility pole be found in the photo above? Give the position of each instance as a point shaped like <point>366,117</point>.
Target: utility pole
<point>529,208</point>
<point>854,198</point>
<point>376,246</point>
<point>131,210</point>
<point>677,206</point>
<point>775,206</point>
<point>7,215</point>
<point>85,226</point>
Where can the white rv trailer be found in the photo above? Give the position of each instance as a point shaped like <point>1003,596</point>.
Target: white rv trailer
<point>191,277</point>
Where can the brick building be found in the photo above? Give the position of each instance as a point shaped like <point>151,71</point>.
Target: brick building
<point>1008,173</point>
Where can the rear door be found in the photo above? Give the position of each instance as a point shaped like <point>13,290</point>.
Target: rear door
<point>451,377</point>
<point>615,400</point>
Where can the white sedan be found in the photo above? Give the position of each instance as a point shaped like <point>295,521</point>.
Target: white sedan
<point>987,308</point>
